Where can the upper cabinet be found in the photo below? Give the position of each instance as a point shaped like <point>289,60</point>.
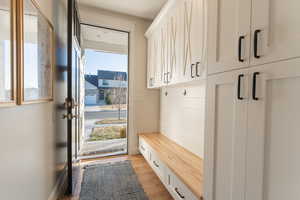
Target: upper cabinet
<point>243,33</point>
<point>275,30</point>
<point>228,34</point>
<point>200,37</point>
<point>182,43</point>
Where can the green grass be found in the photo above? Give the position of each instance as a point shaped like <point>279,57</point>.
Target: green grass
<point>107,133</point>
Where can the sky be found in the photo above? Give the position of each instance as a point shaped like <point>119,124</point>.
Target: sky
<point>96,60</point>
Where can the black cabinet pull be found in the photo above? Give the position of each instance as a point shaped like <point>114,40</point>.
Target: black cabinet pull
<point>256,43</point>
<point>197,69</point>
<point>239,87</point>
<point>156,165</point>
<point>254,86</point>
<point>192,66</point>
<point>179,194</point>
<point>240,48</point>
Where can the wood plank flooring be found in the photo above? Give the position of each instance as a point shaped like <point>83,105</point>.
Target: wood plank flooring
<point>148,179</point>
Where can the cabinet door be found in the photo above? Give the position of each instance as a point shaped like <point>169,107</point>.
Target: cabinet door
<point>164,54</point>
<point>180,70</point>
<point>225,140</point>
<point>275,29</point>
<point>273,141</point>
<point>150,65</point>
<point>187,40</point>
<point>158,59</point>
<point>228,29</point>
<point>198,37</point>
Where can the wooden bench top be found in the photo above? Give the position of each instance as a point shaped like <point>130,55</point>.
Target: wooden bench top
<point>187,166</point>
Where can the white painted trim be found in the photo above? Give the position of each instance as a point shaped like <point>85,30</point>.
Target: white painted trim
<point>60,186</point>
<point>128,26</point>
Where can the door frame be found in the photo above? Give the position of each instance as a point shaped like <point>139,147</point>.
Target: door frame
<point>128,76</point>
<point>127,27</point>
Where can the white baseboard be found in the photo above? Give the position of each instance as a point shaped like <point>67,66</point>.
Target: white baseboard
<point>60,186</point>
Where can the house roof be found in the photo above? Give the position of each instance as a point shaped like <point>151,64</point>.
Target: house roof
<point>92,79</point>
<point>112,75</point>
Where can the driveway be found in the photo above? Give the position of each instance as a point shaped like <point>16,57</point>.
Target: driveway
<point>98,115</point>
<point>102,147</point>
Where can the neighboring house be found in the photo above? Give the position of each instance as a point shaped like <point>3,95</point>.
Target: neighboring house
<point>106,84</point>
<point>91,90</point>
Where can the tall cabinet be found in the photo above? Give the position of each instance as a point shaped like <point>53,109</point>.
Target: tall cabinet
<point>252,133</point>
<point>253,107</point>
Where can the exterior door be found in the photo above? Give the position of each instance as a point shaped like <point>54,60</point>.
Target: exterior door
<point>275,30</point>
<point>228,34</point>
<point>226,134</point>
<point>76,100</point>
<point>71,102</point>
<point>273,141</point>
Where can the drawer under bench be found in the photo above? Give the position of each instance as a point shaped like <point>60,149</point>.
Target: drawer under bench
<point>170,162</point>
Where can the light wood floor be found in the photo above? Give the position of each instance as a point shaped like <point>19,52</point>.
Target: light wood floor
<point>148,179</point>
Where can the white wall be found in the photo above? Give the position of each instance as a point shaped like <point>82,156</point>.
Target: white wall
<point>143,103</point>
<point>183,117</point>
<point>27,146</point>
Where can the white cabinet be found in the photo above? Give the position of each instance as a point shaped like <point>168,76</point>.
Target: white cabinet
<point>228,34</point>
<point>225,140</point>
<point>273,133</point>
<point>252,132</point>
<point>243,33</point>
<point>182,42</point>
<point>275,30</point>
<point>176,188</point>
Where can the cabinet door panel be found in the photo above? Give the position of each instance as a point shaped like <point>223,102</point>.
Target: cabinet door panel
<point>158,61</point>
<point>198,37</point>
<point>225,140</point>
<point>273,141</point>
<point>150,63</point>
<point>227,21</point>
<point>279,24</point>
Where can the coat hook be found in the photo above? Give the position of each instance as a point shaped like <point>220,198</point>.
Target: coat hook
<point>184,93</point>
<point>166,93</point>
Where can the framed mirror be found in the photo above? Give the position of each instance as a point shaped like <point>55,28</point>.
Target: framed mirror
<point>37,54</point>
<point>7,55</point>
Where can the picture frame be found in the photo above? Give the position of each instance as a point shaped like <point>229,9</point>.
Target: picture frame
<point>8,83</point>
<point>35,51</point>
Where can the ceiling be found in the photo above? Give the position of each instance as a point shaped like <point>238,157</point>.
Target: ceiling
<point>102,39</point>
<point>97,34</point>
<point>141,8</point>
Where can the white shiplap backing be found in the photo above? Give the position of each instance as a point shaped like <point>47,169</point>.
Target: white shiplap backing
<point>182,117</point>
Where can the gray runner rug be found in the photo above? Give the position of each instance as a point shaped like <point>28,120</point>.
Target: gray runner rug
<point>111,181</point>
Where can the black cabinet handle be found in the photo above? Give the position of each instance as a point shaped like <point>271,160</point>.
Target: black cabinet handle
<point>156,165</point>
<point>240,48</point>
<point>179,194</point>
<point>197,69</point>
<point>256,43</point>
<point>192,66</point>
<point>254,86</point>
<point>239,87</point>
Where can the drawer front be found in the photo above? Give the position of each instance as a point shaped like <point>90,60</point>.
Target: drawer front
<point>144,149</point>
<point>177,189</point>
<point>158,166</point>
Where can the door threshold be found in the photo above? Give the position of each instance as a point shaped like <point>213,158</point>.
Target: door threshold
<point>102,155</point>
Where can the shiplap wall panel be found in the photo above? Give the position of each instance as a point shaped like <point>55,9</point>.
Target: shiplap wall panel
<point>183,116</point>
